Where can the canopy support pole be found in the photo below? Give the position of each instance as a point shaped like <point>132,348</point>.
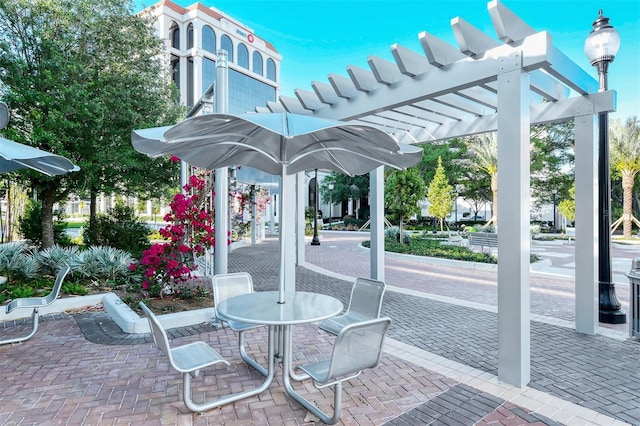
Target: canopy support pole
<point>221,253</point>
<point>376,234</point>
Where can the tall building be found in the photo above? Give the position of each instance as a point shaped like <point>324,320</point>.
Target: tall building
<point>192,36</point>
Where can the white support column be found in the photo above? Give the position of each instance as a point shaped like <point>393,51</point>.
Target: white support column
<point>273,206</point>
<point>287,221</point>
<point>301,191</point>
<point>254,215</point>
<point>586,180</point>
<point>221,253</point>
<point>514,340</point>
<point>376,234</point>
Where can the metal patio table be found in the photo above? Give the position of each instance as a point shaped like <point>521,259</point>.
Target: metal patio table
<point>263,307</point>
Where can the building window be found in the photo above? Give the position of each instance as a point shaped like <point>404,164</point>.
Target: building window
<point>271,69</point>
<point>208,39</point>
<point>227,44</point>
<point>243,56</point>
<point>175,70</point>
<point>190,81</point>
<point>174,35</point>
<point>257,62</point>
<point>190,36</point>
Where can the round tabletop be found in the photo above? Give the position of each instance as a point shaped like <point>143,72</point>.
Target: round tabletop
<point>262,307</point>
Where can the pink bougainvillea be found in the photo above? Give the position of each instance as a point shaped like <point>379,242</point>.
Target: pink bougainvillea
<point>189,232</point>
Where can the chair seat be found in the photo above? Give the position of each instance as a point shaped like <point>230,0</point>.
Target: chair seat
<point>195,356</point>
<point>316,370</point>
<point>335,324</point>
<point>241,326</point>
<point>27,302</point>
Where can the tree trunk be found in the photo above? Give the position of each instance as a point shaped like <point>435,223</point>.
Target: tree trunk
<point>627,205</point>
<point>494,207</point>
<point>93,208</point>
<point>48,199</point>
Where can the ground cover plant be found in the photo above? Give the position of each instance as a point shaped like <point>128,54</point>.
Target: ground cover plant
<point>429,245</point>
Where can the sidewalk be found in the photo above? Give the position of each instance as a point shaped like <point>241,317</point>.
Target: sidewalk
<point>451,314</point>
<point>439,365</point>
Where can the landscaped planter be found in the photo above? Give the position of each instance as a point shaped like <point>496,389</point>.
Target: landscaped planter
<point>120,312</point>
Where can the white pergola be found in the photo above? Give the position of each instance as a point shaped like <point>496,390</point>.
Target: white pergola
<point>485,84</point>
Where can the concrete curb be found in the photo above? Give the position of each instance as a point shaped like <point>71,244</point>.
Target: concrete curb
<point>132,323</point>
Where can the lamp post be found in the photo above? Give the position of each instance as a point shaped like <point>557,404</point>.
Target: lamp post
<point>330,205</point>
<point>601,47</point>
<point>354,193</point>
<point>315,241</point>
<point>554,192</point>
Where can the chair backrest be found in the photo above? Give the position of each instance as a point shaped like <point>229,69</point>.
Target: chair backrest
<point>229,285</point>
<point>62,273</point>
<point>366,297</point>
<point>357,346</point>
<point>157,331</point>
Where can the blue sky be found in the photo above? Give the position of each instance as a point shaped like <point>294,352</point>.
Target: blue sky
<point>318,37</point>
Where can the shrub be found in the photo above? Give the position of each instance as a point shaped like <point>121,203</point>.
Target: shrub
<point>16,261</point>
<point>107,266</point>
<point>119,228</point>
<point>30,225</point>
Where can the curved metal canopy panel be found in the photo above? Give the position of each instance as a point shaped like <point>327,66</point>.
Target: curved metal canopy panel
<point>447,91</point>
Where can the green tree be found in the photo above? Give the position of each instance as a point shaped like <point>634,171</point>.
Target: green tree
<point>567,207</point>
<point>440,195</point>
<point>403,190</point>
<point>484,150</point>
<point>625,163</point>
<point>78,76</point>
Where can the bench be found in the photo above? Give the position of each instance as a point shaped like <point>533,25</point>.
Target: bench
<point>483,239</point>
<point>36,303</point>
<point>454,239</point>
<point>571,233</point>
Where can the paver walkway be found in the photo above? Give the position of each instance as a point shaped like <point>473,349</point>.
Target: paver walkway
<point>439,365</point>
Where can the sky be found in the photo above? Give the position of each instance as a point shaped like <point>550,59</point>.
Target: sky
<point>319,37</point>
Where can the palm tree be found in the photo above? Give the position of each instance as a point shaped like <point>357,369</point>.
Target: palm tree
<point>625,162</point>
<point>485,150</point>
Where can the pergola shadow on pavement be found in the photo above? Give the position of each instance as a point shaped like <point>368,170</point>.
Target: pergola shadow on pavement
<point>505,84</point>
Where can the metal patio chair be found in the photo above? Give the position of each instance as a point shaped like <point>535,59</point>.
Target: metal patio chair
<point>365,304</point>
<point>357,347</point>
<point>36,303</point>
<point>188,359</point>
<point>224,287</point>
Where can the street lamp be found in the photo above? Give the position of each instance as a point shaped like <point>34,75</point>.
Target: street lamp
<point>554,192</point>
<point>330,205</point>
<point>601,47</point>
<point>315,241</point>
<point>354,194</point>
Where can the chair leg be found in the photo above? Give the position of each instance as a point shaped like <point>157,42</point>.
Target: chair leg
<point>246,358</point>
<point>313,409</point>
<point>35,319</point>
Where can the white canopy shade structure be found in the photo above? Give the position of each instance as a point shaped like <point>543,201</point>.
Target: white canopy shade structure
<point>504,83</point>
<point>281,144</point>
<point>16,156</point>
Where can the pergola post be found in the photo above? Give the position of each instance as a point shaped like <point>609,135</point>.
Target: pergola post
<point>301,187</point>
<point>287,220</point>
<point>586,162</point>
<point>514,345</point>
<point>376,201</point>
